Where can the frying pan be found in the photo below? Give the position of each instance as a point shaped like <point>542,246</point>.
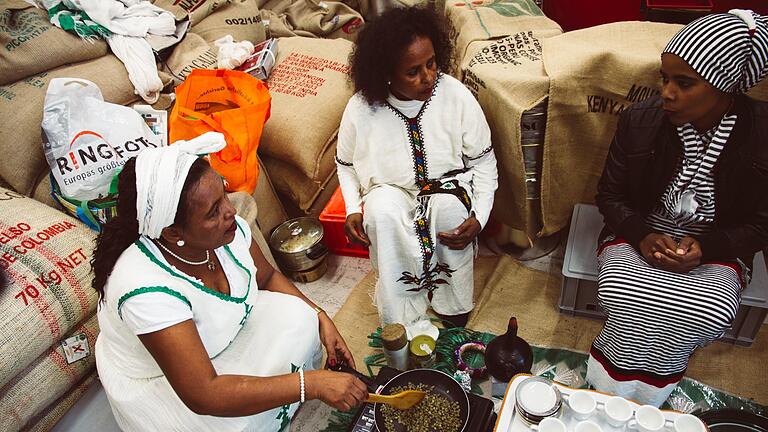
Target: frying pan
<point>441,383</point>
<point>733,420</point>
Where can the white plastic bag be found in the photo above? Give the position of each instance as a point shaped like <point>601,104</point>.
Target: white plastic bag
<point>88,140</point>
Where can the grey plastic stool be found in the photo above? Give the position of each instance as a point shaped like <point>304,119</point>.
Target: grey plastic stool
<point>578,295</point>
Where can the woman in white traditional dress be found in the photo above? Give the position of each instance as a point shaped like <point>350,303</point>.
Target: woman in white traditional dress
<point>416,168</point>
<point>198,331</point>
<point>683,194</point>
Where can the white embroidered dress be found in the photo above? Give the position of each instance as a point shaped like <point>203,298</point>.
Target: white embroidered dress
<point>418,168</point>
<point>248,332</point>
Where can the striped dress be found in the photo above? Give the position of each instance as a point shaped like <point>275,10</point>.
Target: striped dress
<point>656,318</point>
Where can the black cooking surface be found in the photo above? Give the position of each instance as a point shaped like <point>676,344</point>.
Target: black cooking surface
<point>481,415</point>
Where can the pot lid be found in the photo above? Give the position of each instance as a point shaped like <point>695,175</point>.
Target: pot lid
<point>296,235</point>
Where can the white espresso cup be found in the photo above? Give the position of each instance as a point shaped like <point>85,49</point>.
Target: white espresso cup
<point>648,419</point>
<point>688,423</point>
<point>588,426</point>
<point>618,411</point>
<point>583,404</point>
<point>550,424</point>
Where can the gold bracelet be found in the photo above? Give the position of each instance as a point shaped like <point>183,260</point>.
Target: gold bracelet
<point>318,309</point>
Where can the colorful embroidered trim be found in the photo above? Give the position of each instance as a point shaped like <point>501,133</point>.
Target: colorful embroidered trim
<point>142,290</point>
<point>451,187</point>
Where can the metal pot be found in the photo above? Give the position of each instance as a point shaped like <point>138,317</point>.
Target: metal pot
<point>297,245</point>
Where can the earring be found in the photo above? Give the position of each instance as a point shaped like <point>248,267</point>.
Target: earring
<point>389,82</point>
<point>180,243</point>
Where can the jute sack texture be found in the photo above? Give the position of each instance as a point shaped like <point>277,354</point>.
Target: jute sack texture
<point>240,18</point>
<point>506,86</point>
<point>193,52</point>
<point>271,211</point>
<point>23,164</point>
<point>472,21</point>
<point>310,88</point>
<point>42,192</point>
<point>370,9</point>
<point>195,10</point>
<point>50,416</point>
<point>295,186</point>
<point>507,77</point>
<point>247,209</point>
<point>325,19</point>
<point>30,44</point>
<point>21,399</point>
<point>46,256</point>
<point>594,75</point>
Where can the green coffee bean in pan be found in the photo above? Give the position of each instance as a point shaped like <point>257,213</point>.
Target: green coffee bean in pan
<point>435,413</point>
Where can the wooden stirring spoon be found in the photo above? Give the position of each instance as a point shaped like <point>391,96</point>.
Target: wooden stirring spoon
<point>402,400</point>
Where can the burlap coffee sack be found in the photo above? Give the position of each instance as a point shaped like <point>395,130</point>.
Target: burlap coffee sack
<point>50,416</point>
<point>325,19</point>
<point>240,19</point>
<point>472,21</point>
<point>193,52</point>
<point>195,10</point>
<point>277,26</point>
<point>507,77</point>
<point>42,191</point>
<point>21,105</point>
<point>300,190</point>
<point>370,9</point>
<point>46,256</point>
<point>248,209</point>
<point>310,88</point>
<point>594,74</point>
<point>30,44</point>
<point>271,210</point>
<point>56,371</point>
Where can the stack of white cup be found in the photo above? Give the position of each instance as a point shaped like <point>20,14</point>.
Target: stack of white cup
<point>619,414</point>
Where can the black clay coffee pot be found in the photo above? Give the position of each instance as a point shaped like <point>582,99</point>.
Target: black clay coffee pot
<point>508,355</point>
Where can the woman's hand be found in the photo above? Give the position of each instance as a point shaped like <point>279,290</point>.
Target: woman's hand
<point>353,227</point>
<point>462,236</point>
<point>663,252</point>
<point>333,342</point>
<point>340,390</point>
<point>685,258</point>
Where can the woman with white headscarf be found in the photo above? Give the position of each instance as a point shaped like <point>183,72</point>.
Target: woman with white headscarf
<point>683,194</point>
<point>198,331</point>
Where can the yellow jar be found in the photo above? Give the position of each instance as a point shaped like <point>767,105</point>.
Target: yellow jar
<point>422,352</point>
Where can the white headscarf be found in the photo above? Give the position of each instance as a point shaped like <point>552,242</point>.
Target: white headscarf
<point>160,176</point>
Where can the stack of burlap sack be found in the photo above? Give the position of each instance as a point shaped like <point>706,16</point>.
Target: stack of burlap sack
<point>498,57</point>
<point>47,324</point>
<point>310,86</point>
<point>513,58</point>
<point>46,253</point>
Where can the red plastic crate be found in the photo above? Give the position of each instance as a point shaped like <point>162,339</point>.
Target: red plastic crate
<point>333,217</point>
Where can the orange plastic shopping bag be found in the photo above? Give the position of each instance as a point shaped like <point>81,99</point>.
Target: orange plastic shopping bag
<point>233,103</point>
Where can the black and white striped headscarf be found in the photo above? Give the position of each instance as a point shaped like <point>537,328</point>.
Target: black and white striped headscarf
<point>730,51</point>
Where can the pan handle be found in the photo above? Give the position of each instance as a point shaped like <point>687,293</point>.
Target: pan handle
<point>340,367</point>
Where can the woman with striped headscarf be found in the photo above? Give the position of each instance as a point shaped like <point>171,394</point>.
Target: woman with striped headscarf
<point>683,194</point>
